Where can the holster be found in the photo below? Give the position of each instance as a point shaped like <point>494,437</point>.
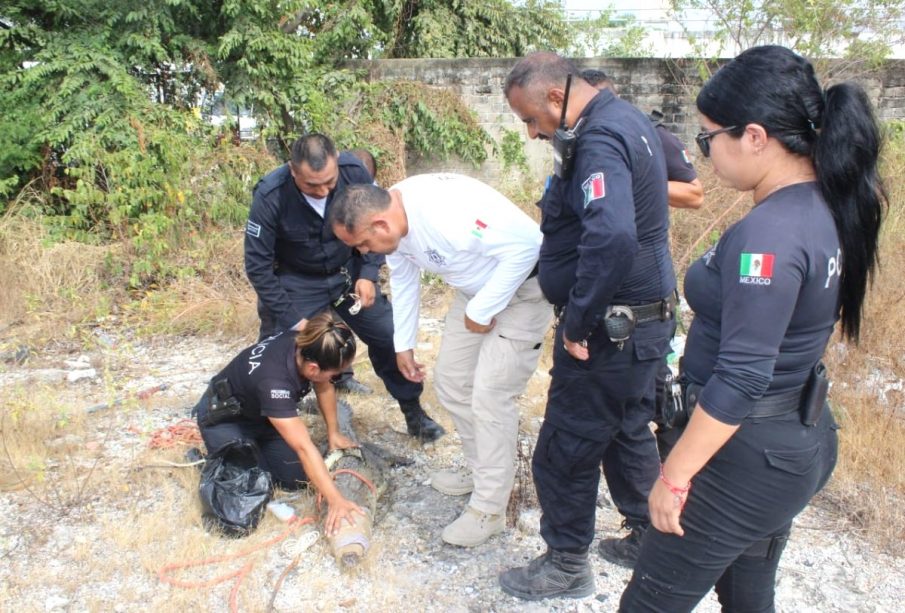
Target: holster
<point>223,405</point>
<point>810,399</point>
<point>814,397</point>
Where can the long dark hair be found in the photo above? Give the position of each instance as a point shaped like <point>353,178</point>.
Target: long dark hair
<point>777,89</point>
<point>327,342</point>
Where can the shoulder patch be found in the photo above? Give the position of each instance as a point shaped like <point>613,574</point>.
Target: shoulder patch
<point>756,268</point>
<point>685,156</point>
<point>594,188</point>
<point>253,229</point>
<point>281,395</point>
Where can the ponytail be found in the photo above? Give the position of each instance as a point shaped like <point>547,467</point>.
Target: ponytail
<point>845,159</point>
<point>327,342</point>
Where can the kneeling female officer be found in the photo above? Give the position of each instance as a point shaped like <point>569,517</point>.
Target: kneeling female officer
<point>255,397</point>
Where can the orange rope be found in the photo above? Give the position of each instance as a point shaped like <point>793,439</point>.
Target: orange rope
<point>184,432</point>
<point>347,471</point>
<point>360,477</point>
<point>294,524</point>
<point>163,574</point>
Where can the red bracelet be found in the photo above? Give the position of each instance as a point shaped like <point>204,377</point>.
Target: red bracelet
<point>678,493</point>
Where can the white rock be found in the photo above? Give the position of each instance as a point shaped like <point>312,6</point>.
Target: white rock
<point>528,521</point>
<point>77,375</point>
<point>55,603</point>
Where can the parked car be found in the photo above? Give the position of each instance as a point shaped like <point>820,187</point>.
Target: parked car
<point>218,111</point>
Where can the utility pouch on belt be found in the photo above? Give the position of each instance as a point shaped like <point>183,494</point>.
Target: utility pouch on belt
<point>619,322</point>
<point>815,395</point>
<point>223,406</point>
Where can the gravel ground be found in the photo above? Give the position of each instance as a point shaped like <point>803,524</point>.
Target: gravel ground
<point>101,549</point>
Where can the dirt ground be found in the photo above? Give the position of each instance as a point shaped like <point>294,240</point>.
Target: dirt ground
<point>92,528</point>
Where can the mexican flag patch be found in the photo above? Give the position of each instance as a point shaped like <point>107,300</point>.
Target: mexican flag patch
<point>479,227</point>
<point>593,188</point>
<point>756,265</point>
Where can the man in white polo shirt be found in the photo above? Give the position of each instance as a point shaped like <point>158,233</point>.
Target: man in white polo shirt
<point>486,248</point>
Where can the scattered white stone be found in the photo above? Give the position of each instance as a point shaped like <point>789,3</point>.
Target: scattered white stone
<point>528,521</point>
<point>80,363</point>
<point>55,603</point>
<point>74,376</point>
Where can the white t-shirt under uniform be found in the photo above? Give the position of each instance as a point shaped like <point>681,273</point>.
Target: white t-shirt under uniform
<point>470,235</point>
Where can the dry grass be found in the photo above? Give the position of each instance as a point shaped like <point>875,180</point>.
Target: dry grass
<point>47,286</point>
<point>43,449</point>
<point>218,300</point>
<point>869,401</point>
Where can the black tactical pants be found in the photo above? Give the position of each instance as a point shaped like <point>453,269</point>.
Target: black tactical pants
<point>279,459</point>
<point>598,411</point>
<point>736,519</point>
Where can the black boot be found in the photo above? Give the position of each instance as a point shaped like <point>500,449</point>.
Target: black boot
<point>624,551</point>
<point>555,574</point>
<point>419,424</point>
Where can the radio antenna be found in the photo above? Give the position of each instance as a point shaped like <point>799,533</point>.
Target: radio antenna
<point>565,102</point>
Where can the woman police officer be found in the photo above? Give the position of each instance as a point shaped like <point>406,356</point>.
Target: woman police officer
<point>255,398</point>
<point>766,299</point>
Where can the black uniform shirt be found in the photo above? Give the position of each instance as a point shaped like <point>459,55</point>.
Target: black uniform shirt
<point>605,227</point>
<point>265,380</point>
<point>283,229</point>
<point>765,299</point>
<point>678,166</point>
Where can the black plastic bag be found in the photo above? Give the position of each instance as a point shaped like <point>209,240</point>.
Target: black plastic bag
<point>234,489</point>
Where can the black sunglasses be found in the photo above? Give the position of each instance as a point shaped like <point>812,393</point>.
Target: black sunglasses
<point>703,139</point>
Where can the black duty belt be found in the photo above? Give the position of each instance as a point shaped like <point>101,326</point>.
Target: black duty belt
<point>660,310</point>
<point>311,272</point>
<point>768,406</point>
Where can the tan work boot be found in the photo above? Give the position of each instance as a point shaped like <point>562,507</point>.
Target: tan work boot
<point>452,482</point>
<point>473,528</point>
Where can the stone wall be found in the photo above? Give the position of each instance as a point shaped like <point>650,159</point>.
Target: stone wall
<point>667,85</point>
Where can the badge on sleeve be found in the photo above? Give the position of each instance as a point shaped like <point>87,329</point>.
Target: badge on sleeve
<point>253,229</point>
<point>756,268</point>
<point>594,188</point>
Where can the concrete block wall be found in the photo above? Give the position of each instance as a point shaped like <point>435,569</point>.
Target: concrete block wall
<point>668,85</point>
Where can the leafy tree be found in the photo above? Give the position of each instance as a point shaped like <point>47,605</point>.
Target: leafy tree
<point>608,35</point>
<point>470,28</point>
<point>862,31</point>
<point>101,98</point>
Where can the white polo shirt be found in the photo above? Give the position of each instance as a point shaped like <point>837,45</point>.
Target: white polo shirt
<point>470,235</point>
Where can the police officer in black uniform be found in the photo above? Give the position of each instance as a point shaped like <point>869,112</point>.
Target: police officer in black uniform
<point>761,440</point>
<point>684,191</point>
<point>254,399</point>
<point>604,256</point>
<point>299,268</point>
